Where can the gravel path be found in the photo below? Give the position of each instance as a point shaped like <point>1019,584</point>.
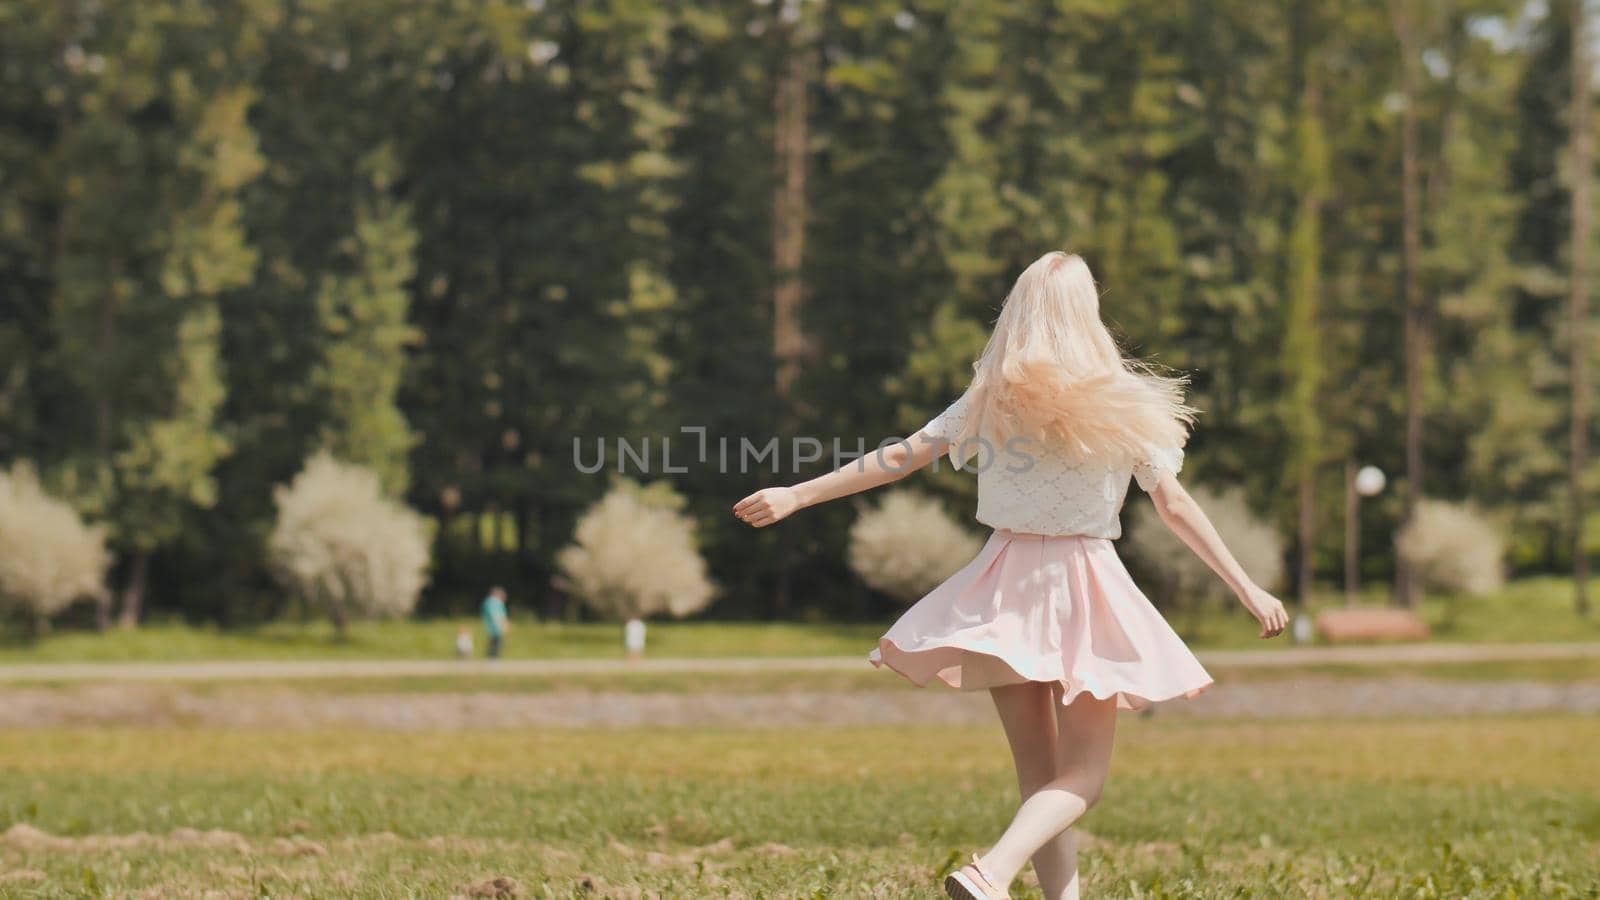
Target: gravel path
<point>275,670</point>
<point>170,693</point>
<point>255,707</point>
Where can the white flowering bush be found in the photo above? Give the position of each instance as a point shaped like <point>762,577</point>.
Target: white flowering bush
<point>345,547</point>
<point>633,555</point>
<point>48,556</point>
<point>1181,574</point>
<point>907,544</point>
<point>1453,548</point>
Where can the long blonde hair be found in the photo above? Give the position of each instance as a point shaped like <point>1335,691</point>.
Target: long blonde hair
<point>1052,372</point>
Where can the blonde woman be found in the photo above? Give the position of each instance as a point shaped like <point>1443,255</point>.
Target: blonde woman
<point>1056,421</point>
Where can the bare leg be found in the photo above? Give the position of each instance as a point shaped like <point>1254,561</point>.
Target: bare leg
<point>1027,712</point>
<point>1083,759</point>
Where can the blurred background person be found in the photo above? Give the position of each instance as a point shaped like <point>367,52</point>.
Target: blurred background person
<point>633,638</point>
<point>495,622</point>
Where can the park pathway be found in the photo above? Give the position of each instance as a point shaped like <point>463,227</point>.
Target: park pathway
<point>261,694</point>
<point>284,670</point>
<point>279,706</point>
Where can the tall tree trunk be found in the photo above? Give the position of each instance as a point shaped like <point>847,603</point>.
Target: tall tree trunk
<point>102,610</point>
<point>520,563</point>
<point>480,536</point>
<point>339,609</point>
<point>1307,539</point>
<point>494,535</point>
<point>104,424</point>
<point>556,601</point>
<point>1303,334</point>
<point>791,139</point>
<point>340,615</point>
<point>133,591</point>
<point>1416,323</point>
<point>443,572</point>
<point>1582,163</point>
<point>1352,535</point>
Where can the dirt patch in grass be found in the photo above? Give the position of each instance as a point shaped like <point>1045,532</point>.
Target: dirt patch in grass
<point>22,836</point>
<point>496,888</point>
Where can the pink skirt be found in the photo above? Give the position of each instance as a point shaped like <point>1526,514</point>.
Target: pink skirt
<point>1045,608</point>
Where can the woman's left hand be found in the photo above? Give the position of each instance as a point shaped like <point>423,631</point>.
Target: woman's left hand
<point>766,506</point>
<point>1267,609</point>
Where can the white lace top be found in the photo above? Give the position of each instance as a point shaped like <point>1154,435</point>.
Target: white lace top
<point>1027,487</point>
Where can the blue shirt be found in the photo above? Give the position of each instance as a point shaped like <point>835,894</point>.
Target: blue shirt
<point>494,615</point>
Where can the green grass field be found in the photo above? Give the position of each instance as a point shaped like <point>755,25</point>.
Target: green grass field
<point>435,639</point>
<point>1534,609</point>
<point>1495,807</point>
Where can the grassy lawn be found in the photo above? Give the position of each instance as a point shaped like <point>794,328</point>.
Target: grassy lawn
<point>1533,609</point>
<point>1472,808</point>
<point>435,639</point>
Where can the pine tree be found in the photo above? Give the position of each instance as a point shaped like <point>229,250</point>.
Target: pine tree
<point>363,312</point>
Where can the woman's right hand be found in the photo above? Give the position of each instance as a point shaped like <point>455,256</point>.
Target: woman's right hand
<point>767,506</point>
<point>1267,609</point>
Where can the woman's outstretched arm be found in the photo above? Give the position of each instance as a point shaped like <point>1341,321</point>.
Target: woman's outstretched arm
<point>1189,522</point>
<point>882,466</point>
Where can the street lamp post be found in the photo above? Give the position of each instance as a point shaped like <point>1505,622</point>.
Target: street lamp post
<point>1367,481</point>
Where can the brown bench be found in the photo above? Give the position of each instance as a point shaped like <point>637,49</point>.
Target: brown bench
<point>1370,623</point>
